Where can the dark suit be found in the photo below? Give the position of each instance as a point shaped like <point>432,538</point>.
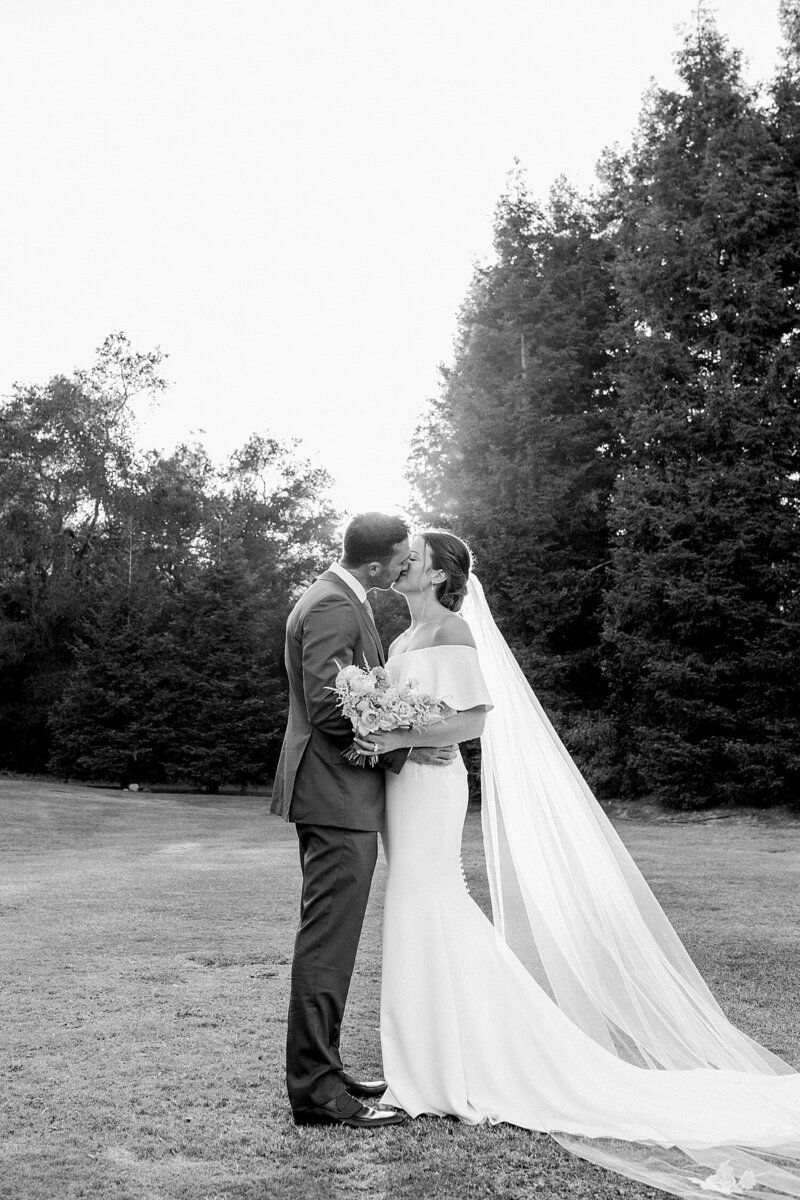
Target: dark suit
<point>337,810</point>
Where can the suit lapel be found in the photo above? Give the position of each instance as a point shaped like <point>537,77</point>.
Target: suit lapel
<point>373,633</point>
<point>368,625</point>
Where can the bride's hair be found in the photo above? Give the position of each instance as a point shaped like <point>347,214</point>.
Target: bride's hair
<point>451,555</point>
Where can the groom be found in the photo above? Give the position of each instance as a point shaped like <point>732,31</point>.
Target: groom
<point>337,810</point>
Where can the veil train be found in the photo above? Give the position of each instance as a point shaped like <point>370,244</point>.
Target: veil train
<point>571,903</point>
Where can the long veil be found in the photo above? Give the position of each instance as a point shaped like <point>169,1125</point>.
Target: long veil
<point>570,902</point>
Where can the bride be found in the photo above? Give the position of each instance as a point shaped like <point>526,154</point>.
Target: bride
<point>578,1011</point>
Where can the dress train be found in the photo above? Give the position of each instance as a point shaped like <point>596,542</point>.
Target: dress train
<point>469,1029</point>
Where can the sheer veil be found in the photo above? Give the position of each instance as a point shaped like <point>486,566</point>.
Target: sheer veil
<point>570,902</point>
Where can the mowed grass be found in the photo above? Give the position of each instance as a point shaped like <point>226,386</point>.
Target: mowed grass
<point>146,944</point>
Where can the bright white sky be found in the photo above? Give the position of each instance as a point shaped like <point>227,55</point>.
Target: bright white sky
<point>288,196</point>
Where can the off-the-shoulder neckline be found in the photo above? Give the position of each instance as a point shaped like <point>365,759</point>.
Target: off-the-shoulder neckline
<point>420,649</point>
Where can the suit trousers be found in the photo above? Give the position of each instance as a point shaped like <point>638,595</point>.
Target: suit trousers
<point>337,866</point>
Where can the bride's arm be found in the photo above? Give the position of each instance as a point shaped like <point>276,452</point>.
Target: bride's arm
<point>460,727</point>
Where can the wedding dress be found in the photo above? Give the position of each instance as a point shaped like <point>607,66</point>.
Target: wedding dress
<point>578,1012</point>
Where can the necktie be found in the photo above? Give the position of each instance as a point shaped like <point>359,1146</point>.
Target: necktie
<point>368,610</point>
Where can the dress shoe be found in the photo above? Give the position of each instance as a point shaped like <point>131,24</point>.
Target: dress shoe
<point>363,1087</point>
<point>346,1110</point>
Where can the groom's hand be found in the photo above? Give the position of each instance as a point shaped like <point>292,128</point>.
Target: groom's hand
<point>433,756</point>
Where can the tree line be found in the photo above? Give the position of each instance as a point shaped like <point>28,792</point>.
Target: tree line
<point>143,596</point>
<point>618,437</point>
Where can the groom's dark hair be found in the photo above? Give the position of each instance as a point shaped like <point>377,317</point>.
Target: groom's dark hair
<point>372,537</point>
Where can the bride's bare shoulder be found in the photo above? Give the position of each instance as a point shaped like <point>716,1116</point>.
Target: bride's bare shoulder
<point>453,631</point>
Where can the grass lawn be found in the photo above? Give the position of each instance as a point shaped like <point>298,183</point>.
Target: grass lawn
<point>146,943</point>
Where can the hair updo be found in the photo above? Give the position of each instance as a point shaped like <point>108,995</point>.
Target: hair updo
<point>451,555</point>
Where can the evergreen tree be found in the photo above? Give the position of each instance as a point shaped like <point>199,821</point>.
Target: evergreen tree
<point>221,705</point>
<point>786,118</point>
<point>108,725</point>
<point>517,454</point>
<point>702,624</point>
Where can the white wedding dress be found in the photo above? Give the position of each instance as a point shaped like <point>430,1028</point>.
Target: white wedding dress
<point>578,1012</point>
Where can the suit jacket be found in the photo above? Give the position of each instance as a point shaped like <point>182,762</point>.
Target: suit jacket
<point>313,783</point>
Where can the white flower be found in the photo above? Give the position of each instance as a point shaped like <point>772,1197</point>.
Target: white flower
<point>361,685</point>
<point>346,674</point>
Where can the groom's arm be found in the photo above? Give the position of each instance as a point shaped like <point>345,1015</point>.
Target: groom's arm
<point>428,756</point>
<point>330,633</point>
<point>395,760</point>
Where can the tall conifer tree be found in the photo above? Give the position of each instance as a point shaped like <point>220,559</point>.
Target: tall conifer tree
<point>517,453</point>
<point>702,614</point>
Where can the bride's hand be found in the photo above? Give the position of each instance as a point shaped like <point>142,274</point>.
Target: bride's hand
<point>380,741</point>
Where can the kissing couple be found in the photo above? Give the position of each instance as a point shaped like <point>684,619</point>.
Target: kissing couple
<point>576,1011</point>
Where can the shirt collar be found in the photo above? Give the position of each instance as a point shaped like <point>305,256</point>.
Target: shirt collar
<point>350,580</point>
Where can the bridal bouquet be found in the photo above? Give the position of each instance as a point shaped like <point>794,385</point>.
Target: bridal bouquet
<point>372,701</point>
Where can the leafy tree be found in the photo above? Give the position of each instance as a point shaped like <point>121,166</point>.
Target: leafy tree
<point>277,505</point>
<point>65,452</point>
<point>113,720</point>
<point>179,672</point>
<point>702,616</point>
<point>143,597</point>
<point>274,508</point>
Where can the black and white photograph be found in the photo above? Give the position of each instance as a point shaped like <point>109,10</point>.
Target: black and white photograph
<point>400,599</point>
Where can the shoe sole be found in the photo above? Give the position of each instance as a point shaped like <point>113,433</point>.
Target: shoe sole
<point>351,1122</point>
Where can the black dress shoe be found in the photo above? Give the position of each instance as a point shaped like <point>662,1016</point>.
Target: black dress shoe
<point>364,1087</point>
<point>346,1110</point>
